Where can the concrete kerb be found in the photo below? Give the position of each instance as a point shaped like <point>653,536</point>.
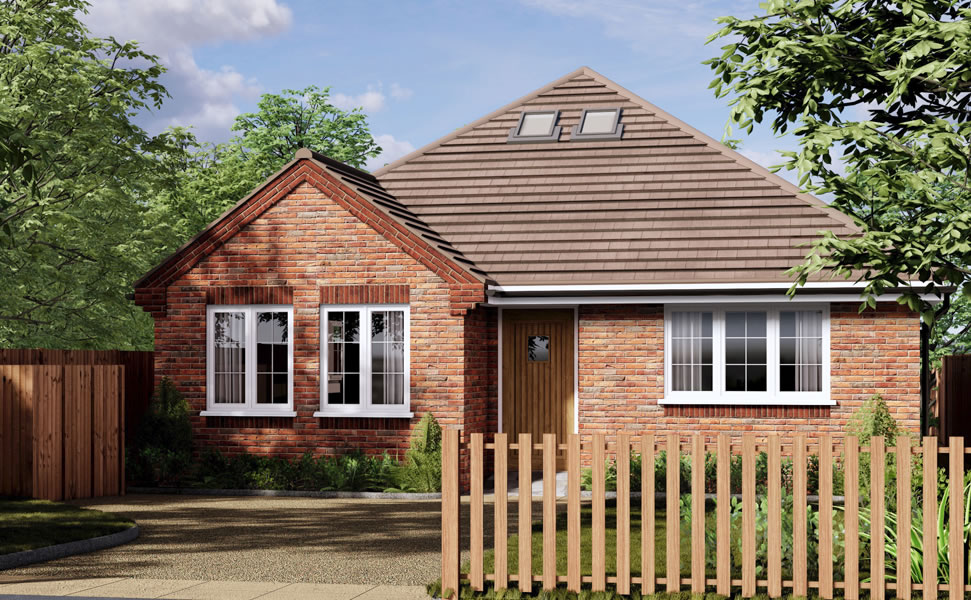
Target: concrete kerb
<point>29,557</point>
<point>288,493</point>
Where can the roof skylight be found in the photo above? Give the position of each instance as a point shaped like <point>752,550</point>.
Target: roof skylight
<point>536,126</point>
<point>598,124</point>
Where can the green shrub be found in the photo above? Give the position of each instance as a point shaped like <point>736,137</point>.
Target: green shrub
<point>161,451</point>
<point>422,469</point>
<point>873,418</point>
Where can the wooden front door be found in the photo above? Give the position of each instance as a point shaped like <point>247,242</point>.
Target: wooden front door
<point>538,354</point>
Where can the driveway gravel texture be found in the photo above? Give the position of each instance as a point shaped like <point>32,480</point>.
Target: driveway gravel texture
<point>312,540</point>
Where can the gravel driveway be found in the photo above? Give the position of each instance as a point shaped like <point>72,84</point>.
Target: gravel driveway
<point>390,542</point>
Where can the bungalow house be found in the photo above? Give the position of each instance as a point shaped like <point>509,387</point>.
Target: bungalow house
<point>576,261</point>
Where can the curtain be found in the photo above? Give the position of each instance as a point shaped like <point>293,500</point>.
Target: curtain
<point>229,336</point>
<point>809,351</point>
<point>691,347</point>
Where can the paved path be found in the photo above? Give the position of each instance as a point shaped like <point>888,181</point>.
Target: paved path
<point>98,588</point>
<point>275,541</point>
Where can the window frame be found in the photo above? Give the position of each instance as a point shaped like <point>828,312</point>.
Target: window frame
<point>772,396</point>
<point>615,134</point>
<point>365,408</point>
<point>553,135</point>
<point>249,408</point>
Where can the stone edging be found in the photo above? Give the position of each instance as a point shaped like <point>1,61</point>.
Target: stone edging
<point>287,493</point>
<point>27,557</point>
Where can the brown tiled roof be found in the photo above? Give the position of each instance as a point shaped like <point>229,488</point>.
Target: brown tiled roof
<point>664,204</point>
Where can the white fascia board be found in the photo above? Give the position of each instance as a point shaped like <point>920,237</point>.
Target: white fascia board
<point>710,299</point>
<point>682,287</point>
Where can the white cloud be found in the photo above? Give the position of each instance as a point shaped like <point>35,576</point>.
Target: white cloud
<point>201,97</point>
<point>391,150</point>
<point>371,101</point>
<point>400,93</point>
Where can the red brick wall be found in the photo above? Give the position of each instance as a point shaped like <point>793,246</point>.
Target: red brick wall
<point>311,247</point>
<point>621,375</point>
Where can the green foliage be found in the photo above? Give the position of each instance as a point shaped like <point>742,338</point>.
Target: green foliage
<point>76,176</point>
<point>877,94</point>
<point>162,448</point>
<point>212,178</point>
<point>873,418</point>
<point>422,469</point>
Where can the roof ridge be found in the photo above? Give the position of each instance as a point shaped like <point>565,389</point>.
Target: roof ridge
<point>481,120</point>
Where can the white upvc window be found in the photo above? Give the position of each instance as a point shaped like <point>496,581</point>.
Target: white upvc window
<point>751,355</point>
<point>249,361</point>
<point>364,357</point>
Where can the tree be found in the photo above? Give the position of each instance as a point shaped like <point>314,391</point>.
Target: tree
<point>881,90</point>
<point>74,170</point>
<point>217,176</point>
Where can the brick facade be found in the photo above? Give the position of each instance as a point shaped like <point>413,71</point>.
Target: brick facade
<point>304,249</point>
<point>621,375</point>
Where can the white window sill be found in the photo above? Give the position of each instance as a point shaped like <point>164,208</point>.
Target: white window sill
<point>370,414</point>
<point>248,413</point>
<point>748,400</point>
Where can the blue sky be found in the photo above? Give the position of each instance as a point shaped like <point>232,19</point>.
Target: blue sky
<point>423,69</point>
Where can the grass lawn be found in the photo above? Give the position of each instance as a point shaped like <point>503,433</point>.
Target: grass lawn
<point>29,524</point>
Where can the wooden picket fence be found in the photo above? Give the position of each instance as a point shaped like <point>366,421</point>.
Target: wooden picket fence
<point>62,430</point>
<point>596,449</point>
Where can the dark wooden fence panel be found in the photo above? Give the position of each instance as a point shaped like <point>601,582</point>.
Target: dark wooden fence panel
<point>139,372</point>
<point>954,398</point>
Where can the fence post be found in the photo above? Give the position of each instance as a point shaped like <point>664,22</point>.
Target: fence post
<point>525,513</point>
<point>852,518</point>
<point>623,514</point>
<point>476,578</point>
<point>723,516</point>
<point>549,511</point>
<point>672,507</point>
<point>573,513</point>
<point>748,516</point>
<point>956,519</point>
<point>599,523</point>
<point>698,514</point>
<point>826,517</point>
<point>929,501</point>
<point>902,560</point>
<point>648,575</point>
<point>450,514</point>
<point>775,517</point>
<point>800,560</point>
<point>878,461</point>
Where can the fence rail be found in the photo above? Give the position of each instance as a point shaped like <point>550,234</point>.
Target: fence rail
<point>747,552</point>
<point>62,430</point>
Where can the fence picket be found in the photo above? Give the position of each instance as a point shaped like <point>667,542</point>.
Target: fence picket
<point>800,559</point>
<point>501,532</point>
<point>573,514</point>
<point>878,462</point>
<point>851,464</point>
<point>599,523</point>
<point>698,514</point>
<point>826,517</point>
<point>672,530</point>
<point>748,516</point>
<point>476,521</point>
<point>648,575</point>
<point>623,514</point>
<point>525,529</point>
<point>775,517</point>
<point>929,501</point>
<point>956,519</point>
<point>723,557</point>
<point>451,502</point>
<point>549,511</point>
<point>902,559</point>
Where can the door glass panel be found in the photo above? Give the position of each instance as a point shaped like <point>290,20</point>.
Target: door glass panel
<point>538,348</point>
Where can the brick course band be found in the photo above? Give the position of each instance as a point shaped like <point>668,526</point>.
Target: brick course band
<point>365,294</point>
<point>249,295</point>
<point>748,412</point>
